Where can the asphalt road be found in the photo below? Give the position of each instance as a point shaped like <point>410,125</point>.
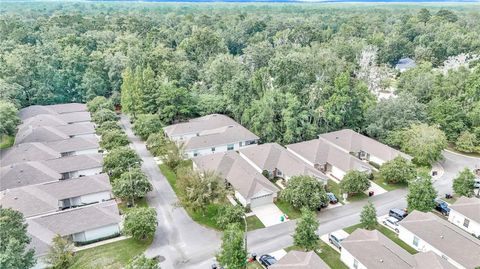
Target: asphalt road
<point>182,243</point>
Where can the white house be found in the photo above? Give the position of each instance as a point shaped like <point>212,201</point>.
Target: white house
<point>365,249</point>
<point>279,162</point>
<point>428,232</point>
<point>251,187</point>
<point>40,199</point>
<point>210,134</point>
<point>465,213</point>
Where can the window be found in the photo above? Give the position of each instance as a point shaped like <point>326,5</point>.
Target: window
<point>195,153</point>
<point>415,241</point>
<point>355,264</point>
<point>65,154</point>
<point>466,222</point>
<point>230,147</point>
<point>213,149</point>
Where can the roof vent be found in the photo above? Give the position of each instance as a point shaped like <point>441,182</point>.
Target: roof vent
<point>15,198</point>
<point>230,126</point>
<point>441,236</point>
<point>381,260</point>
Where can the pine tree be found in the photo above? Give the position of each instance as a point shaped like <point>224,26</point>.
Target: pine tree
<point>305,233</point>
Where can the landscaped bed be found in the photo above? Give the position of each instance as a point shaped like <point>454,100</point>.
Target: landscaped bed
<point>110,256</point>
<point>387,186</point>
<point>388,233</point>
<point>333,187</point>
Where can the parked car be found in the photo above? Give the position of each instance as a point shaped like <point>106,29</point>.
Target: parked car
<point>336,239</point>
<point>476,185</point>
<point>392,223</point>
<point>442,207</point>
<point>267,260</point>
<point>332,198</point>
<point>397,213</point>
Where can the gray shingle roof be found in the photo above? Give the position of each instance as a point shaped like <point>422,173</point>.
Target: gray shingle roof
<point>43,120</point>
<point>405,64</point>
<point>74,117</point>
<point>243,177</point>
<point>26,173</point>
<point>68,108</point>
<point>320,151</point>
<point>376,251</point>
<point>200,124</point>
<point>469,207</point>
<point>271,156</point>
<point>74,144</point>
<point>444,236</point>
<point>39,134</point>
<point>75,163</point>
<point>300,260</point>
<point>41,199</point>
<point>430,260</point>
<point>221,136</point>
<point>44,228</point>
<point>80,219</point>
<point>34,110</point>
<point>26,152</point>
<point>352,141</point>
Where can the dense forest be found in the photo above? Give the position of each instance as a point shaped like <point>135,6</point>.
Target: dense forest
<point>286,72</point>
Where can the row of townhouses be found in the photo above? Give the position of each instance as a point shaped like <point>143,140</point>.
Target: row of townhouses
<point>53,175</point>
<point>218,143</point>
<point>441,244</point>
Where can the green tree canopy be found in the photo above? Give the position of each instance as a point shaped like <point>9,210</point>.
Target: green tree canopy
<point>368,216</point>
<point>8,118</point>
<point>305,235</point>
<point>464,183</point>
<point>157,144</point>
<point>304,191</point>
<point>131,185</point>
<point>467,142</point>
<point>61,253</point>
<point>200,188</point>
<point>354,182</point>
<point>425,143</point>
<point>142,262</point>
<point>99,102</point>
<point>228,214</point>
<point>119,160</point>
<point>232,253</point>
<point>108,126</point>
<point>140,223</point>
<point>103,115</point>
<point>398,170</point>
<point>113,139</point>
<point>14,251</point>
<point>421,194</point>
<point>147,124</point>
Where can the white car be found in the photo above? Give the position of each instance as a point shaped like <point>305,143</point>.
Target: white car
<point>391,223</point>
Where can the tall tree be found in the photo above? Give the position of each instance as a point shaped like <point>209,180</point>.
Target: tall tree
<point>14,251</point>
<point>140,223</point>
<point>421,194</point>
<point>147,124</point>
<point>61,254</point>
<point>120,160</point>
<point>201,189</point>
<point>113,139</point>
<point>425,143</point>
<point>305,235</point>
<point>131,185</point>
<point>398,170</point>
<point>464,183</point>
<point>233,253</point>
<point>354,182</point>
<point>304,191</point>
<point>368,216</point>
<point>8,118</point>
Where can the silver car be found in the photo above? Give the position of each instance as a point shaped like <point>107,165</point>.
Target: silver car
<point>391,223</point>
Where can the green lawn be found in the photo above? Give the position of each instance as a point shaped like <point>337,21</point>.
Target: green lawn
<point>288,209</point>
<point>387,186</point>
<point>139,203</point>
<point>6,141</point>
<point>327,254</point>
<point>332,186</point>
<point>170,175</point>
<point>388,233</point>
<point>254,223</point>
<point>451,147</point>
<point>254,265</point>
<point>110,256</point>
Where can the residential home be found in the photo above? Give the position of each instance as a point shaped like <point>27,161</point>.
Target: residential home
<point>54,133</point>
<point>35,110</point>
<point>365,249</point>
<point>328,158</point>
<point>250,186</point>
<point>81,225</point>
<point>279,162</point>
<point>77,165</point>
<point>363,147</point>
<point>26,173</point>
<point>300,260</point>
<point>75,146</point>
<point>428,232</point>
<point>210,134</point>
<point>27,152</point>
<point>35,200</point>
<point>465,213</point>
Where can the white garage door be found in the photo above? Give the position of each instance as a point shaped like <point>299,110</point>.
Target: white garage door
<point>261,200</point>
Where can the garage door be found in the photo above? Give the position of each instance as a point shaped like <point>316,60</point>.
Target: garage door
<point>261,200</point>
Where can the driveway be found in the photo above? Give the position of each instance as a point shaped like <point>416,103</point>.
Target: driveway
<point>178,239</point>
<point>269,214</point>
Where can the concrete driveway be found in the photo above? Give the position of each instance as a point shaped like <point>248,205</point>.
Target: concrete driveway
<point>269,214</point>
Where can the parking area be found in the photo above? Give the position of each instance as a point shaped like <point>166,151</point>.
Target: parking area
<point>338,233</point>
<point>269,214</point>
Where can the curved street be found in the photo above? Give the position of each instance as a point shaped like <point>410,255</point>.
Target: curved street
<point>183,243</point>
